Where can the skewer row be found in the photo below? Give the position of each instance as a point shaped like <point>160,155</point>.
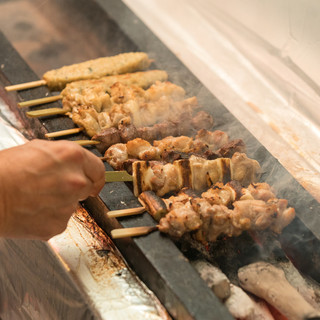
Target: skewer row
<point>91,69</point>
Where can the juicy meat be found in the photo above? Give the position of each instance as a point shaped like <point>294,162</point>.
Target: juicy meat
<point>169,149</point>
<point>133,105</point>
<point>253,214</point>
<point>261,191</point>
<point>196,173</point>
<point>228,149</point>
<point>220,193</point>
<point>117,155</point>
<point>244,169</point>
<point>141,149</point>
<point>212,139</point>
<point>215,220</point>
<point>202,121</point>
<point>219,211</point>
<point>180,220</point>
<point>127,131</point>
<point>95,93</point>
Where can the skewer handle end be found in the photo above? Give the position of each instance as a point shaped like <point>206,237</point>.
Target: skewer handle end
<point>132,232</point>
<point>125,212</point>
<point>26,85</point>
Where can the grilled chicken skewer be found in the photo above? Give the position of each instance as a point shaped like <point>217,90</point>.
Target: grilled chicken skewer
<point>91,69</point>
<point>130,103</point>
<point>186,124</point>
<point>207,144</point>
<point>196,173</point>
<point>94,92</point>
<point>222,210</point>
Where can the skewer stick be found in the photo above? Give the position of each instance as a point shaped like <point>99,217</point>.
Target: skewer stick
<point>45,112</point>
<point>35,102</point>
<point>26,85</point>
<point>132,232</point>
<point>86,142</point>
<point>125,212</point>
<point>63,132</point>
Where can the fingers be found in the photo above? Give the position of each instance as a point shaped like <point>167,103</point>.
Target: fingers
<point>94,170</point>
<point>54,176</point>
<point>78,160</point>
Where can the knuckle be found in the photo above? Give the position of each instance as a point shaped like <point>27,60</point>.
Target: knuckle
<point>70,151</point>
<point>75,183</point>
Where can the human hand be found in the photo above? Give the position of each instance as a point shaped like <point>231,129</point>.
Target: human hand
<point>41,183</point>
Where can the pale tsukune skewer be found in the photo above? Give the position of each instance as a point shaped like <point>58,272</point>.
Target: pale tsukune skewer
<point>87,92</point>
<point>92,69</point>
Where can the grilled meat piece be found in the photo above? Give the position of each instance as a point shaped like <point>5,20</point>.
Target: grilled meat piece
<point>153,204</point>
<point>196,173</point>
<point>261,191</point>
<point>95,93</point>
<point>223,209</point>
<point>220,193</point>
<point>217,220</point>
<point>117,156</point>
<point>169,149</point>
<point>228,149</point>
<point>127,131</point>
<point>202,120</point>
<point>97,68</point>
<point>142,107</point>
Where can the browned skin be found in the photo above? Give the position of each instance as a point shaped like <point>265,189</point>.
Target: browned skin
<point>225,210</point>
<point>170,177</point>
<point>184,125</point>
<point>158,103</point>
<point>172,148</point>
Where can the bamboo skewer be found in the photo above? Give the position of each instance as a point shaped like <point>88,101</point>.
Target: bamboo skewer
<point>86,142</point>
<point>132,232</point>
<point>26,85</point>
<point>35,102</point>
<point>63,133</point>
<point>117,176</point>
<point>45,112</point>
<point>125,212</point>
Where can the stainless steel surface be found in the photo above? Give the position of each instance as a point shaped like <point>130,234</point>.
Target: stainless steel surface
<point>260,60</point>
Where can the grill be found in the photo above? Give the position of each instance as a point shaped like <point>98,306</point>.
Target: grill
<point>163,265</point>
